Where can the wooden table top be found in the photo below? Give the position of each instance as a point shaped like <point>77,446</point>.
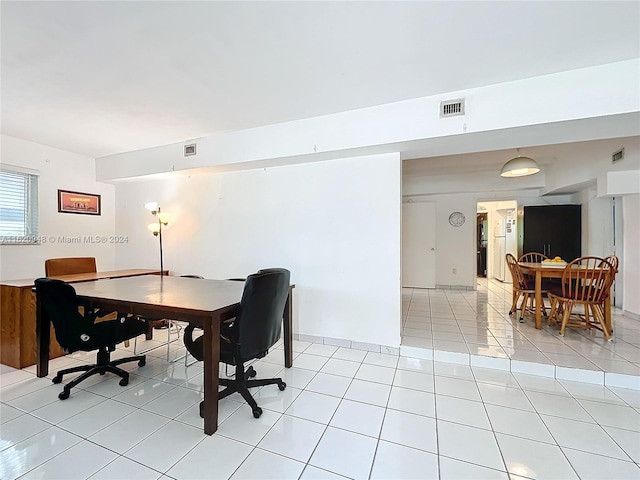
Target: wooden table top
<point>544,268</point>
<point>168,292</point>
<point>84,277</point>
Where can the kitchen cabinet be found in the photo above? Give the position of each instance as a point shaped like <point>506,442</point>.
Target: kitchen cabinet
<point>555,230</point>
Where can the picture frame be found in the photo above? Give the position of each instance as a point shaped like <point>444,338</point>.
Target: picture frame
<point>79,202</point>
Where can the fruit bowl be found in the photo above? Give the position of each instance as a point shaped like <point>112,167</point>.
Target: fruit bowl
<point>554,263</point>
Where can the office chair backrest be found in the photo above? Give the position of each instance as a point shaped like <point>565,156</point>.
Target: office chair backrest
<point>260,314</point>
<point>54,267</point>
<point>60,302</point>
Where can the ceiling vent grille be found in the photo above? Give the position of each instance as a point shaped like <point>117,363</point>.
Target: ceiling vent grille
<point>452,108</point>
<point>189,149</point>
<point>617,156</point>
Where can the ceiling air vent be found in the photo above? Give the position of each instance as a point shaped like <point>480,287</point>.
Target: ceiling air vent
<point>452,108</point>
<point>189,149</point>
<point>617,156</point>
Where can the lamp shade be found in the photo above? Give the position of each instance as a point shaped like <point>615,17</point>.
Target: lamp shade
<point>163,217</point>
<point>154,227</point>
<point>151,206</point>
<point>519,167</point>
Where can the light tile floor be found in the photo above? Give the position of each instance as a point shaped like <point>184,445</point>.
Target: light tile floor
<point>344,414</point>
<point>474,327</point>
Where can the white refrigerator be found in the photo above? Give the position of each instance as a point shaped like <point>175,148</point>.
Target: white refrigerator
<point>499,248</point>
<point>504,241</point>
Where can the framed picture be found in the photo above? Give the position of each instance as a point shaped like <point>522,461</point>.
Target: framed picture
<point>78,202</point>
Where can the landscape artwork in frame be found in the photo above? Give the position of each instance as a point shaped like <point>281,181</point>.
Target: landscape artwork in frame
<point>78,202</point>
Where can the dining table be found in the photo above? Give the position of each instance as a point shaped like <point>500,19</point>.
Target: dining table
<point>539,271</point>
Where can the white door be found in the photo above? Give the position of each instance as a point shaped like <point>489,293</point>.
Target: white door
<point>419,244</point>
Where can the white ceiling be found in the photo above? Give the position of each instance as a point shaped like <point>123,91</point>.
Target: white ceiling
<point>99,78</point>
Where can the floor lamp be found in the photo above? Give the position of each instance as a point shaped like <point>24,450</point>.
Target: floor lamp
<point>162,220</point>
<point>156,227</point>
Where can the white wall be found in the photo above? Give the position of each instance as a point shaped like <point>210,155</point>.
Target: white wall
<point>455,246</point>
<point>58,170</point>
<point>559,98</point>
<point>597,224</point>
<point>631,226</point>
<point>334,224</point>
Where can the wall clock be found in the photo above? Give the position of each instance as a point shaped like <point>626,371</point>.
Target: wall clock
<point>457,219</point>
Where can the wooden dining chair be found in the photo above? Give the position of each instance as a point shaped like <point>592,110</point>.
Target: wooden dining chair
<point>522,288</point>
<point>533,257</point>
<point>585,281</point>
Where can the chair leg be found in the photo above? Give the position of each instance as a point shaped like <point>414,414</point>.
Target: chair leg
<point>598,315</point>
<point>565,317</point>
<point>142,361</point>
<point>103,365</point>
<point>66,391</point>
<point>523,307</point>
<point>514,302</point>
<point>241,384</point>
<point>61,373</point>
<point>551,319</point>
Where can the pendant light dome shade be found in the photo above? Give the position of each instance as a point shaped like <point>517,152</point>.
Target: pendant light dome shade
<point>519,167</point>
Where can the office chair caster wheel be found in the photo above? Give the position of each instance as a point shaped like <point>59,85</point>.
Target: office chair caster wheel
<point>124,382</point>
<point>257,412</point>
<point>250,373</point>
<point>282,386</point>
<point>142,362</point>
<point>57,379</point>
<point>63,395</point>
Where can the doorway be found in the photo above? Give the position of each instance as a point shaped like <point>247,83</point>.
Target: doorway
<point>497,232</point>
<point>482,238</point>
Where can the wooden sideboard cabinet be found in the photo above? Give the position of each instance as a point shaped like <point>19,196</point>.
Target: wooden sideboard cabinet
<point>18,327</point>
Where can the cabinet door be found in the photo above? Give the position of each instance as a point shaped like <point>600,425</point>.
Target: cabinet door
<point>535,230</point>
<point>565,232</point>
<point>555,230</point>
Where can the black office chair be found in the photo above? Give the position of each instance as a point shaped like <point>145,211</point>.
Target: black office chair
<point>80,332</point>
<point>256,328</point>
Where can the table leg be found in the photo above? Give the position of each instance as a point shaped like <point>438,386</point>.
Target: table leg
<point>607,313</point>
<point>288,328</point>
<point>538,299</point>
<point>211,371</point>
<point>43,336</point>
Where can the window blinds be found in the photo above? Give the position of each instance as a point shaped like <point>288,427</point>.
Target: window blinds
<point>18,207</point>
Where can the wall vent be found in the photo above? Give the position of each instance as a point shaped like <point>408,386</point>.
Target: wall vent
<point>617,156</point>
<point>189,149</point>
<point>452,108</point>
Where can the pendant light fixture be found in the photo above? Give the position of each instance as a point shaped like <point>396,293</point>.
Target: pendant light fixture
<point>519,167</point>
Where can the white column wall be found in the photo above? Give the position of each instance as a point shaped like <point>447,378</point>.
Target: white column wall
<point>631,265</point>
<point>58,170</point>
<point>334,224</point>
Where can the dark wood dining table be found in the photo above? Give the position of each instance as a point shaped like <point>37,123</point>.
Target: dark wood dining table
<point>541,271</point>
<point>206,303</point>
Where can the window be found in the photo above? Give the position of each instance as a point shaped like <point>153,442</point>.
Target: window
<point>18,207</point>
